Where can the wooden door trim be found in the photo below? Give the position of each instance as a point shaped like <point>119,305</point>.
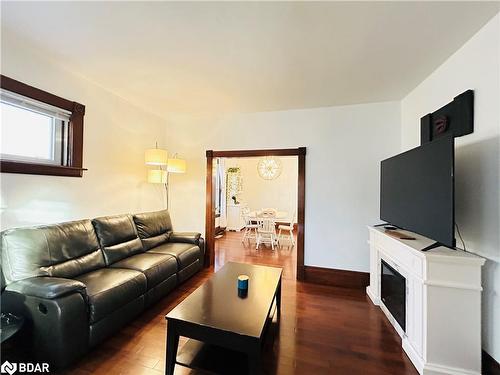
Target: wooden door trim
<point>301,197</point>
<point>209,213</point>
<point>257,153</point>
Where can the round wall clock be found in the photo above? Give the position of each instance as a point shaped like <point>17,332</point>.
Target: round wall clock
<point>269,167</point>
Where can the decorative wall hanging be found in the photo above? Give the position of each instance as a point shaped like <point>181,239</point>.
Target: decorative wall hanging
<point>456,117</point>
<point>234,184</point>
<point>269,167</point>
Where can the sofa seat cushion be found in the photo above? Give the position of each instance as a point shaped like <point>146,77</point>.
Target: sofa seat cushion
<point>156,267</point>
<point>108,289</point>
<point>185,253</point>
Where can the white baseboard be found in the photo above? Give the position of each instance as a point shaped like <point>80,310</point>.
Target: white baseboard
<point>413,355</point>
<point>433,369</point>
<point>375,300</point>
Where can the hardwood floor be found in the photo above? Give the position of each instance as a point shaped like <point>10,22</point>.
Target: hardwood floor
<point>323,330</point>
<point>230,248</point>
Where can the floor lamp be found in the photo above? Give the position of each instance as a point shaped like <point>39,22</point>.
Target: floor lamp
<point>162,167</point>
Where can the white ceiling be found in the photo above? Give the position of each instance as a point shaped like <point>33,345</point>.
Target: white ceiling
<point>254,56</point>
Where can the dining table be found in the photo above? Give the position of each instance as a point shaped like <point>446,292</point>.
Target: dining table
<point>280,215</point>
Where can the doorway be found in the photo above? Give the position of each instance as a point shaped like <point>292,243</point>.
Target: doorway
<point>211,183</point>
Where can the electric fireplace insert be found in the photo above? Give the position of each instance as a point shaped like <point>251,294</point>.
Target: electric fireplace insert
<point>393,293</point>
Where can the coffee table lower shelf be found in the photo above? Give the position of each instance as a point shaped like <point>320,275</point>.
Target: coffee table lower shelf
<point>212,359</point>
<point>216,360</point>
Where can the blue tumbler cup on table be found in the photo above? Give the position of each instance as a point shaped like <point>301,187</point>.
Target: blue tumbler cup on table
<point>243,282</point>
<point>242,286</point>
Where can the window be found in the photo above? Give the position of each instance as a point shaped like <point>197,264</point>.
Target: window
<point>47,128</point>
<point>40,132</point>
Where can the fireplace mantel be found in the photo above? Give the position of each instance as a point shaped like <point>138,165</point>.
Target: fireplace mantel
<point>443,302</point>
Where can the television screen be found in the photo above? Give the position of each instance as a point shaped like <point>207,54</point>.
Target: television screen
<point>417,190</point>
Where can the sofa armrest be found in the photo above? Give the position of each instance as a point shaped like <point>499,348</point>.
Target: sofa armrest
<point>201,245</point>
<point>185,237</point>
<point>47,287</point>
<point>58,329</point>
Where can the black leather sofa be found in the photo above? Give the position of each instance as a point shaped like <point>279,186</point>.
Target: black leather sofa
<point>78,282</point>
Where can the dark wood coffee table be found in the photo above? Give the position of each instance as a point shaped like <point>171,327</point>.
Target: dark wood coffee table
<point>218,320</point>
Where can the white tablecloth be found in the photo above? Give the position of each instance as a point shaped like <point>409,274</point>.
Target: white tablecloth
<point>280,215</point>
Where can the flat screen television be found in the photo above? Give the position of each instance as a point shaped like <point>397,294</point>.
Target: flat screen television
<point>417,190</point>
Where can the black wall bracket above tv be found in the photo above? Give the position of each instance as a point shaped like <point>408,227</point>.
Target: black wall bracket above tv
<point>456,117</point>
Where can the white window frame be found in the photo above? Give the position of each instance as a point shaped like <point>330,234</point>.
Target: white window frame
<point>60,119</point>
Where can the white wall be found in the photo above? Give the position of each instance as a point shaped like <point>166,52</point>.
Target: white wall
<point>474,66</point>
<point>344,147</point>
<point>279,193</point>
<point>116,133</point>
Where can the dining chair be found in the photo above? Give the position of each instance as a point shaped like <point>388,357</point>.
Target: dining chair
<point>266,231</point>
<point>250,226</point>
<point>288,227</point>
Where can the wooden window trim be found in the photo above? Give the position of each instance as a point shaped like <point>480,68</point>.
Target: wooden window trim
<point>75,136</point>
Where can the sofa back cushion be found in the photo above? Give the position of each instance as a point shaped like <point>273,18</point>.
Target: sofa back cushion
<point>59,250</point>
<point>154,228</point>
<point>118,237</point>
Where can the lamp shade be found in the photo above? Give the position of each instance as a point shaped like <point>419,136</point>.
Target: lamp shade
<point>157,176</point>
<point>176,166</point>
<point>156,156</point>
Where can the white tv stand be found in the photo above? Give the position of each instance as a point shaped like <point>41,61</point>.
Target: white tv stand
<point>443,302</point>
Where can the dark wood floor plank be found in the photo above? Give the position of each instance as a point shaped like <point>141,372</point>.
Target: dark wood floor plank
<point>323,330</point>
